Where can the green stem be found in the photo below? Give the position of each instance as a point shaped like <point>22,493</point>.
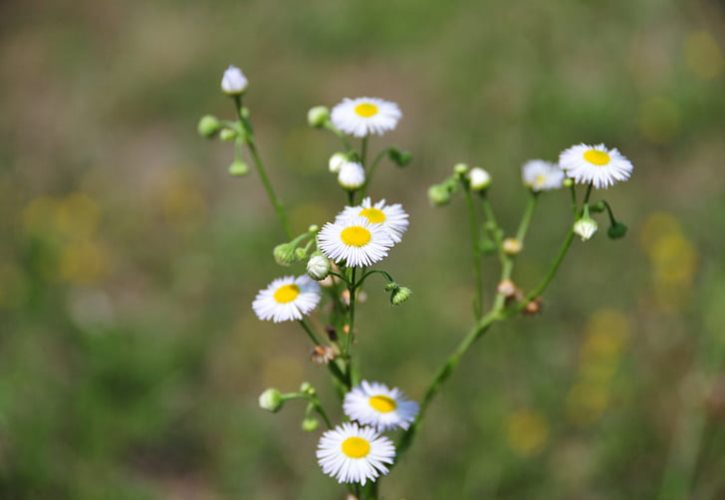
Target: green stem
<point>552,270</point>
<point>477,269</point>
<point>526,218</point>
<point>321,411</point>
<point>373,271</point>
<point>261,170</point>
<point>373,167</point>
<point>332,365</point>
<point>351,325</point>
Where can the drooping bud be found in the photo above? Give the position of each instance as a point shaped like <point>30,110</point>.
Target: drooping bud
<point>271,400</point>
<point>399,157</point>
<point>318,267</point>
<point>234,82</point>
<point>284,254</point>
<point>318,116</point>
<point>439,195</point>
<point>208,126</point>
<point>336,162</point>
<point>310,424</point>
<point>617,230</point>
<point>479,179</point>
<point>351,176</point>
<point>238,168</point>
<point>400,295</point>
<point>585,227</point>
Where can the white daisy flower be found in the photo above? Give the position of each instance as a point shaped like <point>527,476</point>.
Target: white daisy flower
<point>354,241</point>
<point>351,175</point>
<point>391,217</point>
<point>372,403</point>
<point>595,165</point>
<point>287,299</point>
<point>540,175</point>
<point>354,454</point>
<point>234,82</point>
<point>365,115</point>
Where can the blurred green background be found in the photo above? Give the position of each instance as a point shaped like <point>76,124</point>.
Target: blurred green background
<point>130,360</point>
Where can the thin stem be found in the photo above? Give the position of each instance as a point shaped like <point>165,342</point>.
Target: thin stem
<point>553,269</point>
<point>310,333</point>
<point>371,272</point>
<point>526,218</point>
<point>332,365</point>
<point>373,166</point>
<point>321,411</point>
<point>477,268</point>
<point>251,145</point>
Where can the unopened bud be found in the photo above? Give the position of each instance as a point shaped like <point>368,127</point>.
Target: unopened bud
<point>271,400</point>
<point>400,295</point>
<point>307,388</point>
<point>617,230</point>
<point>460,168</point>
<point>512,246</point>
<point>238,168</point>
<point>227,135</point>
<point>439,195</point>
<point>318,267</point>
<point>351,176</point>
<point>318,116</point>
<point>399,157</point>
<point>208,126</point>
<point>234,82</point>
<point>479,179</point>
<point>507,288</point>
<point>568,182</point>
<point>533,307</point>
<point>310,424</point>
<point>336,162</point>
<point>585,227</point>
<point>284,254</point>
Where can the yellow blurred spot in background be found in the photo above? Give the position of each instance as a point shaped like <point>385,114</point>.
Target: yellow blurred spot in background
<point>703,55</point>
<point>527,432</point>
<point>84,263</point>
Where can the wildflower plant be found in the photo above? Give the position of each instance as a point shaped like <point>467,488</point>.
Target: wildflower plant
<point>373,425</point>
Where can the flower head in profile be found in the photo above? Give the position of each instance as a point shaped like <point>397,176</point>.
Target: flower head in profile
<point>354,241</point>
<point>595,165</point>
<point>354,454</point>
<point>351,175</point>
<point>479,179</point>
<point>391,217</point>
<point>540,175</point>
<point>287,299</point>
<point>364,116</point>
<point>234,82</point>
<point>374,404</point>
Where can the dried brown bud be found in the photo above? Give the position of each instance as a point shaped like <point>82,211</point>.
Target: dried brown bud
<point>322,354</point>
<point>507,288</point>
<point>331,333</point>
<point>533,307</point>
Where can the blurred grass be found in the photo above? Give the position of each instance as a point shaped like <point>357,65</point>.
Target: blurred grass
<point>130,360</point>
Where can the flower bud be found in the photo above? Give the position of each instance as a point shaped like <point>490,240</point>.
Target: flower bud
<point>208,126</point>
<point>307,388</point>
<point>512,246</point>
<point>318,116</point>
<point>391,285</point>
<point>310,424</point>
<point>585,227</point>
<point>399,157</point>
<point>533,307</point>
<point>400,295</point>
<point>234,82</point>
<point>617,230</point>
<point>336,162</point>
<point>284,254</point>
<point>460,169</point>
<point>507,288</point>
<point>479,179</point>
<point>568,182</point>
<point>228,134</point>
<point>238,168</point>
<point>318,267</point>
<point>439,195</point>
<point>351,176</point>
<point>271,400</point>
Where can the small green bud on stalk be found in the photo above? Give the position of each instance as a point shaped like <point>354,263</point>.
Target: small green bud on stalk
<point>399,157</point>
<point>271,400</point>
<point>238,168</point>
<point>568,182</point>
<point>585,227</point>
<point>228,135</point>
<point>391,285</point>
<point>439,195</point>
<point>617,230</point>
<point>284,254</point>
<point>208,126</point>
<point>318,267</point>
<point>318,116</point>
<point>400,295</point>
<point>307,388</point>
<point>310,424</point>
<point>597,207</point>
<point>300,253</point>
<point>313,228</point>
<point>460,169</point>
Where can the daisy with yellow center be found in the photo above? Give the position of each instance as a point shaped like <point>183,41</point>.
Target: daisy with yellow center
<point>354,454</point>
<point>595,165</point>
<point>354,241</point>
<point>287,299</point>
<point>392,218</point>
<point>364,116</point>
<point>540,175</point>
<point>374,404</point>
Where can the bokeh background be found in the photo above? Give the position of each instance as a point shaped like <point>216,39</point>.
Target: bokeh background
<point>130,360</point>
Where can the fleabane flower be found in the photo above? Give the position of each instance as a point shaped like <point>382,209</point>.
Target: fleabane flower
<point>354,454</point>
<point>287,299</point>
<point>391,217</point>
<point>354,241</point>
<point>374,404</point>
<point>364,116</point>
<point>540,175</point>
<point>595,165</point>
<point>351,175</point>
<point>234,82</point>
<point>479,179</point>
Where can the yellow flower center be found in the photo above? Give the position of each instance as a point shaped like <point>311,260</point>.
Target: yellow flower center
<point>286,293</point>
<point>373,215</point>
<point>383,404</point>
<point>355,236</point>
<point>366,109</point>
<point>355,447</point>
<point>540,180</point>
<point>595,157</point>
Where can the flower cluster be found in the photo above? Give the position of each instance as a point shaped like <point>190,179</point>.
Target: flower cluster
<point>339,255</point>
